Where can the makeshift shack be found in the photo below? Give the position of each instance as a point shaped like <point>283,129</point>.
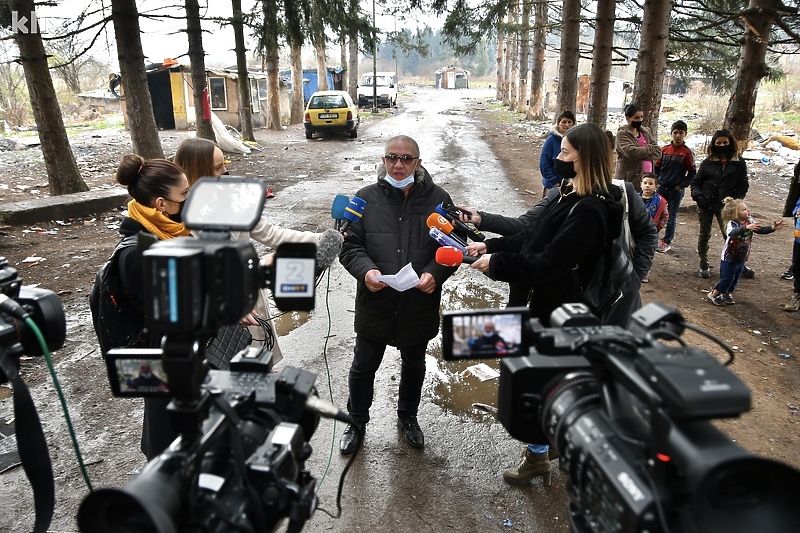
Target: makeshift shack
<point>452,78</point>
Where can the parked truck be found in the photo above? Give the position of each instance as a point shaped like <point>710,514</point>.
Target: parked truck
<point>384,85</point>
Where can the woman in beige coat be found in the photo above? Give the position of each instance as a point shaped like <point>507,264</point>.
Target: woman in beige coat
<point>202,158</point>
<point>636,148</point>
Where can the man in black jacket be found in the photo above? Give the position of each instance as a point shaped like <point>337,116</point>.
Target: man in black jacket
<point>391,234</point>
<point>640,245</point>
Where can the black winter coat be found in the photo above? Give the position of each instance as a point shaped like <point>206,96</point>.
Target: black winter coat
<point>542,256</point>
<point>715,182</point>
<point>393,232</point>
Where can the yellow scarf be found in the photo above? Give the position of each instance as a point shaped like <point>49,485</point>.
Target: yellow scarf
<point>155,221</point>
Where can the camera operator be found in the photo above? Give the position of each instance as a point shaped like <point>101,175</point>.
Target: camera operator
<point>158,188</point>
<point>572,230</point>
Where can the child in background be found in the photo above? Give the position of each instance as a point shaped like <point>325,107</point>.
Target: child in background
<point>655,204</point>
<point>675,171</point>
<point>794,303</point>
<point>740,229</point>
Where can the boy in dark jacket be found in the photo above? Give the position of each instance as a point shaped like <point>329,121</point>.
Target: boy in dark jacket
<point>391,234</point>
<point>675,171</point>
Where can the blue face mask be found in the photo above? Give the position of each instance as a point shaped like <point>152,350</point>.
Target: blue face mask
<point>399,184</point>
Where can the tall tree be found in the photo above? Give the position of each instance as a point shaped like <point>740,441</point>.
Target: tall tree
<point>501,44</point>
<point>535,107</point>
<point>352,64</point>
<point>62,170</point>
<point>601,63</point>
<point>245,102</point>
<point>510,49</point>
<point>296,60</point>
<point>268,45</point>
<point>652,61</point>
<point>569,56</point>
<point>514,53</point>
<point>759,17</point>
<point>138,104</point>
<point>197,59</point>
<point>524,54</point>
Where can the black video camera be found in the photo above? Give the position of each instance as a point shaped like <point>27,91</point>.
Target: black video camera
<point>630,417</point>
<point>238,464</point>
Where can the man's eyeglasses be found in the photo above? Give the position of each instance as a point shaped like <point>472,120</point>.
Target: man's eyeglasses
<point>405,159</point>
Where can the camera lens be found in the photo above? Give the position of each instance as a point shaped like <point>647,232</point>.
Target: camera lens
<point>572,397</point>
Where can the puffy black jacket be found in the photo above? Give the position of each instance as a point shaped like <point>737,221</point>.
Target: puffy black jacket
<point>715,182</point>
<point>393,232</point>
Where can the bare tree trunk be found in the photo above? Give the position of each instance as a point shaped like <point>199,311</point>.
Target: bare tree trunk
<point>752,66</point>
<point>297,84</point>
<point>499,58</point>
<point>138,104</point>
<point>245,103</point>
<point>269,9</point>
<point>514,49</point>
<point>322,65</point>
<point>570,54</point>
<point>352,65</point>
<point>194,32</point>
<point>343,56</point>
<point>507,66</point>
<point>652,61</point>
<point>601,63</point>
<point>62,170</point>
<point>535,107</point>
<point>524,51</point>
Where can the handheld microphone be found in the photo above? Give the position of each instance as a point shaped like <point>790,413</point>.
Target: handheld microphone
<point>338,206</point>
<point>455,212</point>
<point>353,213</point>
<point>452,257</point>
<point>445,240</point>
<point>473,233</point>
<point>435,220</point>
<point>328,247</point>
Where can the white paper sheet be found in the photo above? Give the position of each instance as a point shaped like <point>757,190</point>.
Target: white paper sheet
<point>403,280</point>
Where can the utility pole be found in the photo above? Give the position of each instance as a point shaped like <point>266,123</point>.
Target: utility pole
<point>374,63</point>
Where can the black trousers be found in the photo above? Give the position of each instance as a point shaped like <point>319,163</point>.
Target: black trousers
<point>368,354</point>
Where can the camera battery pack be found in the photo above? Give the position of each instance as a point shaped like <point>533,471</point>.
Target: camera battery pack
<point>693,384</point>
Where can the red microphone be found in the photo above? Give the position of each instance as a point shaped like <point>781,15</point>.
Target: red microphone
<point>435,220</point>
<point>452,257</point>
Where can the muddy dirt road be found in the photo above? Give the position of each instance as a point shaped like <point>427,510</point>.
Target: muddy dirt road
<point>455,483</point>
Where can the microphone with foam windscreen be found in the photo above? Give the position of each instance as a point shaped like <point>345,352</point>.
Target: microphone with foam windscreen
<point>353,213</point>
<point>452,257</point>
<point>435,220</point>
<point>328,247</point>
<point>473,233</point>
<point>340,202</point>
<point>445,240</point>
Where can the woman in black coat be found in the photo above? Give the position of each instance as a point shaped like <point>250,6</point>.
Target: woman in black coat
<point>720,175</point>
<point>572,231</point>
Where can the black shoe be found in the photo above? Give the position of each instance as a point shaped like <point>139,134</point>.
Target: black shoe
<point>351,439</point>
<point>704,272</point>
<point>412,431</point>
<point>789,274</point>
<point>748,273</point>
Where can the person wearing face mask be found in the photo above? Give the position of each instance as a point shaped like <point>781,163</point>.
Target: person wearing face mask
<point>551,149</point>
<point>158,188</point>
<point>393,233</point>
<point>571,231</point>
<point>635,147</point>
<point>202,158</point>
<point>722,174</point>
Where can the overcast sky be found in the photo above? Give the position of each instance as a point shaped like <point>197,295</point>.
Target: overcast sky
<point>163,38</point>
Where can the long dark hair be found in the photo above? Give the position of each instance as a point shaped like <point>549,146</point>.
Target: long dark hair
<point>594,152</point>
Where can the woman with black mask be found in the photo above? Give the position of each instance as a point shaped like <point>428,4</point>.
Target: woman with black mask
<point>720,175</point>
<point>572,232</point>
<point>636,148</point>
<point>159,189</point>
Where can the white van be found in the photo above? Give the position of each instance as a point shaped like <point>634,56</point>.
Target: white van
<point>385,86</point>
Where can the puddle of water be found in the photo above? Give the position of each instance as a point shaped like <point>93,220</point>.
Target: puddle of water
<point>290,321</point>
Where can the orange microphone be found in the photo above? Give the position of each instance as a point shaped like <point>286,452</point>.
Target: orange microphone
<point>452,257</point>
<point>435,220</point>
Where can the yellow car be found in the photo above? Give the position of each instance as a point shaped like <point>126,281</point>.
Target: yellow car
<point>331,111</point>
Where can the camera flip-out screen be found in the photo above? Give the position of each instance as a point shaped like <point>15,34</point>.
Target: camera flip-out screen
<point>229,203</point>
<point>483,334</point>
<point>136,372</point>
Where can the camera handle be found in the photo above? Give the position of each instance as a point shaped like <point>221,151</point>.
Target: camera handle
<point>186,370</point>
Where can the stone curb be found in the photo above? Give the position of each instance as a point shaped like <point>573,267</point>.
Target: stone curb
<point>62,207</point>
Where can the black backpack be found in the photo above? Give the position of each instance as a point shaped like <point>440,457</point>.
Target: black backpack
<point>116,322</point>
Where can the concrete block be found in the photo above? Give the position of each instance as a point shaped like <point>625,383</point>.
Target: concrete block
<point>77,205</point>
